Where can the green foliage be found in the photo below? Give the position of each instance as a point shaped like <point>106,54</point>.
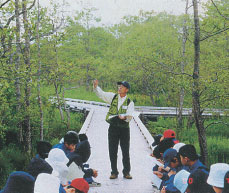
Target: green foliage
<point>56,129</point>
<point>12,159</point>
<point>161,125</point>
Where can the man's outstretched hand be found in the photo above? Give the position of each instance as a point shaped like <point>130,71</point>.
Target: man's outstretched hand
<point>122,117</point>
<point>95,83</point>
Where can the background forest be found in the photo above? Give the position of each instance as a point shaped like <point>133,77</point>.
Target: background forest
<point>178,61</point>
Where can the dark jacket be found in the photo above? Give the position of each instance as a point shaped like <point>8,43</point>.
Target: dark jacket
<point>81,155</point>
<point>198,165</point>
<point>84,150</point>
<point>38,165</point>
<point>77,158</point>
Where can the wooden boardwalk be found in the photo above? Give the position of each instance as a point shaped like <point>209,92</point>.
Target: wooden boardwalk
<point>149,110</point>
<point>141,166</point>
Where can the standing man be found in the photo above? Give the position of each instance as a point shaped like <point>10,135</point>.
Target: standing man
<point>119,116</point>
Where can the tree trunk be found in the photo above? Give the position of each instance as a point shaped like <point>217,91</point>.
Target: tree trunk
<point>66,110</point>
<point>59,102</point>
<point>56,81</point>
<point>182,65</point>
<point>152,99</point>
<point>27,126</point>
<point>39,75</point>
<point>196,89</point>
<point>17,66</point>
<point>87,77</point>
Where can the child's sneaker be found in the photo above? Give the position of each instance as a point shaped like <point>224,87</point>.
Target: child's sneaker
<point>94,184</point>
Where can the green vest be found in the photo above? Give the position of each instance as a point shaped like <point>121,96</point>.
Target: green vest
<point>113,110</point>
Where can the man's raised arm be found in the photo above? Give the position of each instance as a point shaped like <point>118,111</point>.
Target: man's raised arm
<point>105,96</point>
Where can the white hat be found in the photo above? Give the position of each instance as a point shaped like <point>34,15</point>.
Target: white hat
<point>57,155</point>
<point>217,173</point>
<point>62,170</point>
<point>178,146</point>
<point>181,180</point>
<point>58,160</point>
<point>46,183</point>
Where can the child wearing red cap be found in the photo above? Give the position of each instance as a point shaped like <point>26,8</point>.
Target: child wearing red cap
<point>78,185</point>
<point>169,133</point>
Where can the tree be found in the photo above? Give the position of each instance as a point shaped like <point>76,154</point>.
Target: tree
<point>39,74</point>
<point>26,53</point>
<point>182,68</point>
<point>196,92</point>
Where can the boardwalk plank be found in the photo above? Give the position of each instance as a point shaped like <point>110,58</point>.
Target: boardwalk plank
<point>139,151</point>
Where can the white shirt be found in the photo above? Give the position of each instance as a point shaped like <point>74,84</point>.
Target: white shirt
<point>108,97</point>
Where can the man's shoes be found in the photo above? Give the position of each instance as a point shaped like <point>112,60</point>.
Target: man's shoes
<point>127,176</point>
<point>94,184</point>
<point>113,176</point>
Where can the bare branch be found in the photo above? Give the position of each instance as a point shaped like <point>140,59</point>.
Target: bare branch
<point>190,6</point>
<point>12,17</point>
<point>11,79</point>
<point>215,33</point>
<point>215,123</point>
<point>170,71</point>
<point>71,88</point>
<point>226,96</point>
<point>180,73</point>
<point>4,3</point>
<point>227,18</point>
<point>49,33</point>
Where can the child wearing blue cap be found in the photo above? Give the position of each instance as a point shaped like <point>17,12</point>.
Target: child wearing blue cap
<point>19,182</point>
<point>171,159</point>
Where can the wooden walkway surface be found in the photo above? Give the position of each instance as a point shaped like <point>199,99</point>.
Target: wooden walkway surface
<point>141,166</point>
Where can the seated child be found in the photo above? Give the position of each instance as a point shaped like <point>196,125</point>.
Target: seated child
<point>19,182</point>
<point>38,165</point>
<point>217,175</point>
<point>80,156</point>
<point>194,182</point>
<point>69,144</point>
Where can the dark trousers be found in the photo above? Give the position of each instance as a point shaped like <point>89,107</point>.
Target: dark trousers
<point>115,135</point>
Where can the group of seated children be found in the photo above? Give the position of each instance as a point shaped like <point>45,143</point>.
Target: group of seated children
<point>181,170</point>
<point>58,169</point>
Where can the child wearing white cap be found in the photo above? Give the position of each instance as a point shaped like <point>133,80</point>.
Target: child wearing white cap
<point>194,182</point>
<point>46,183</point>
<point>216,176</point>
<point>58,160</point>
<point>181,180</point>
<point>178,146</point>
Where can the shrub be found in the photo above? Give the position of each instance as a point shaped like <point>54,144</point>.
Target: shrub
<point>12,159</point>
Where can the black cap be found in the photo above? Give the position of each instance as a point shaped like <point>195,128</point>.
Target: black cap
<point>156,139</point>
<point>189,151</point>
<point>43,148</point>
<point>71,138</point>
<point>124,83</point>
